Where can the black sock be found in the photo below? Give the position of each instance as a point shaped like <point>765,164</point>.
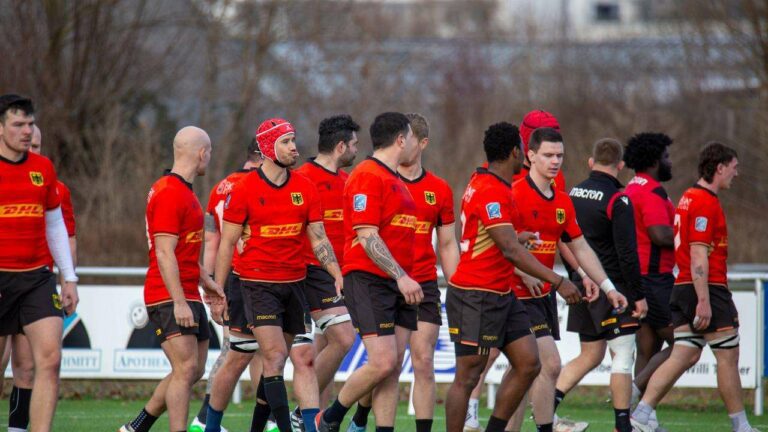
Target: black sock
<point>559,396</point>
<point>622,420</point>
<point>277,397</point>
<point>260,390</point>
<point>202,415</point>
<point>544,427</point>
<point>423,425</point>
<point>361,415</point>
<point>143,422</point>
<point>496,424</point>
<point>261,414</point>
<point>336,412</point>
<point>18,407</point>
<point>385,429</point>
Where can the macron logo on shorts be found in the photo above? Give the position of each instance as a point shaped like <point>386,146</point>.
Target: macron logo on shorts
<point>494,210</point>
<point>359,202</point>
<point>701,224</point>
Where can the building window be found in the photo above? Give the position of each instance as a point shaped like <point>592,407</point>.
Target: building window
<point>606,12</point>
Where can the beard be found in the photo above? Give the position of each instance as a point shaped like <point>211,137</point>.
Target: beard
<point>665,172</point>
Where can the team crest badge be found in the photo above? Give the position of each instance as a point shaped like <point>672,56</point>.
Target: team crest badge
<point>430,198</point>
<point>36,177</point>
<point>297,198</point>
<point>359,202</point>
<point>56,301</point>
<point>701,224</point>
<point>560,216</point>
<point>493,210</point>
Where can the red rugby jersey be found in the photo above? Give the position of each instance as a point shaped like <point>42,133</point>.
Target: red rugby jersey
<point>554,218</point>
<point>558,181</point>
<point>216,200</point>
<point>487,203</point>
<point>27,191</point>
<point>652,207</point>
<point>699,219</point>
<point>375,196</point>
<point>173,209</point>
<point>434,208</point>
<point>330,187</point>
<point>275,220</point>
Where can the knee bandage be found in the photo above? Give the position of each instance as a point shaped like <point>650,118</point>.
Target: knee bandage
<point>725,342</point>
<point>690,339</point>
<point>303,339</point>
<point>243,345</point>
<point>330,320</point>
<point>623,348</point>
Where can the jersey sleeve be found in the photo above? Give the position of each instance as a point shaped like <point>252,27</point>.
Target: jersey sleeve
<point>52,197</point>
<point>653,209</point>
<point>625,243</point>
<point>67,210</point>
<point>702,220</point>
<point>493,208</point>
<point>572,229</point>
<point>315,210</point>
<point>446,216</point>
<point>236,205</point>
<point>212,201</point>
<point>364,195</point>
<point>164,214</point>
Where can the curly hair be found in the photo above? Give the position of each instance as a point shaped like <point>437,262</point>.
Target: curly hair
<point>645,149</point>
<point>500,139</point>
<point>333,130</point>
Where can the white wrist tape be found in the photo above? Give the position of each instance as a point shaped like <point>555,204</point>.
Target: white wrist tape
<point>581,272</point>
<point>58,243</point>
<point>607,286</point>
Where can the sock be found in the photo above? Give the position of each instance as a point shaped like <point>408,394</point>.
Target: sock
<point>559,396</point>
<point>547,427</point>
<point>143,422</point>
<point>423,425</point>
<point>361,415</point>
<point>474,405</point>
<point>621,418</point>
<point>739,420</point>
<point>260,390</point>
<point>636,393</point>
<point>277,397</point>
<point>385,429</point>
<point>201,415</point>
<point>653,417</point>
<point>642,413</point>
<point>18,408</point>
<point>495,424</point>
<point>336,413</point>
<point>308,415</point>
<point>214,420</point>
<point>261,414</point>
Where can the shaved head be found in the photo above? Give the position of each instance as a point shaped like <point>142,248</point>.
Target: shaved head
<point>192,146</point>
<point>37,140</point>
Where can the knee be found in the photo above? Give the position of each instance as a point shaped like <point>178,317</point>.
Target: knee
<point>303,358</point>
<point>551,368</point>
<point>187,371</point>
<point>529,369</point>
<point>47,363</point>
<point>385,364</point>
<point>23,374</point>
<point>274,360</point>
<point>468,380</point>
<point>423,364</point>
<point>343,338</point>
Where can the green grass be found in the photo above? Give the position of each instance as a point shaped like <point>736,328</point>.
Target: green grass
<point>108,415</point>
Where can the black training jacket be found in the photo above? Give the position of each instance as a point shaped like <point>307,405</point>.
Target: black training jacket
<point>607,220</point>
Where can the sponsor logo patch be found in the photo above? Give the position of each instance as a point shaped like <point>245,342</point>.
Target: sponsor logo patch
<point>402,220</point>
<point>56,301</point>
<point>453,330</point>
<point>387,325</point>
<point>286,230</point>
<point>20,210</point>
<point>490,338</point>
<point>700,224</point>
<point>333,215</point>
<point>36,177</point>
<point>297,199</point>
<point>430,198</point>
<point>493,210</point>
<point>359,202</point>
<point>422,227</point>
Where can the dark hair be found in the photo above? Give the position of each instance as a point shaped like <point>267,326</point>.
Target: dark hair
<point>419,125</point>
<point>14,102</point>
<point>645,149</point>
<point>712,155</point>
<point>543,134</point>
<point>607,152</point>
<point>386,127</point>
<point>254,154</point>
<point>500,139</point>
<point>334,129</point>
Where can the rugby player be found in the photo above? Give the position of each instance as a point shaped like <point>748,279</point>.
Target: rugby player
<point>648,155</point>
<point>701,305</point>
<point>271,210</point>
<point>606,219</point>
<point>482,313</point>
<point>32,231</point>
<point>550,213</point>
<point>379,225</point>
<point>175,232</point>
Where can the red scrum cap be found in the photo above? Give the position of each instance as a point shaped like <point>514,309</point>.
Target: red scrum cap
<point>269,132</point>
<point>534,120</point>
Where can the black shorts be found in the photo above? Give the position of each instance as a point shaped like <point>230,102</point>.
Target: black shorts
<point>26,297</point>
<point>683,308</point>
<point>543,317</point>
<point>658,289</point>
<point>161,316</point>
<point>275,304</point>
<point>430,310</point>
<point>376,305</point>
<point>484,319</point>
<point>597,320</point>
<point>320,290</point>
<point>235,309</point>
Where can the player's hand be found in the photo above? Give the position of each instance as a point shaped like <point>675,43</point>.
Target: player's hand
<point>618,301</point>
<point>569,292</point>
<point>213,289</point>
<point>534,285</point>
<point>183,314</point>
<point>339,284</point>
<point>591,289</point>
<point>410,289</point>
<point>641,309</point>
<point>703,315</point>
<point>69,297</point>
<point>528,239</point>
<point>219,312</point>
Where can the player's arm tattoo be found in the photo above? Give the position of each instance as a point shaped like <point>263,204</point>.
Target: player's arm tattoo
<point>217,365</point>
<point>210,223</point>
<point>322,249</point>
<point>378,252</point>
<point>699,272</point>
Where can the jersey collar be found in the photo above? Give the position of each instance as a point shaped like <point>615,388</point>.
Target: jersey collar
<point>533,186</point>
<point>648,177</point>
<point>180,178</point>
<point>18,162</point>
<point>269,182</point>
<point>383,165</point>
<point>417,179</point>
<point>483,170</point>
<point>698,186</point>
<point>599,175</point>
<point>312,161</point>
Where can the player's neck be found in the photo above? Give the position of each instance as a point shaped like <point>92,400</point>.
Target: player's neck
<point>188,173</point>
<point>544,184</point>
<point>650,174</point>
<point>713,187</point>
<point>327,161</point>
<point>503,170</point>
<point>411,172</point>
<point>274,173</point>
<point>388,156</point>
<point>10,154</point>
<point>611,171</point>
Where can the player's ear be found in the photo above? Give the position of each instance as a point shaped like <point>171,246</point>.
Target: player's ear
<point>591,163</point>
<point>620,166</point>
<point>531,154</point>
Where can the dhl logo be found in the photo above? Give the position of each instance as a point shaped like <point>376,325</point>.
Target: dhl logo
<point>402,220</point>
<point>422,227</point>
<point>194,237</point>
<point>287,230</point>
<point>546,248</point>
<point>333,215</point>
<point>21,210</point>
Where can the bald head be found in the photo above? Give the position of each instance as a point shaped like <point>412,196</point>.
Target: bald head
<point>192,146</point>
<point>37,140</point>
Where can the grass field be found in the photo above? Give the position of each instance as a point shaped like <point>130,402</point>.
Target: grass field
<point>108,415</point>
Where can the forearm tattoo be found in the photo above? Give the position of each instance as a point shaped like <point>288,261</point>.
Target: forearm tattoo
<point>323,251</point>
<point>210,223</point>
<point>699,272</point>
<point>378,252</point>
